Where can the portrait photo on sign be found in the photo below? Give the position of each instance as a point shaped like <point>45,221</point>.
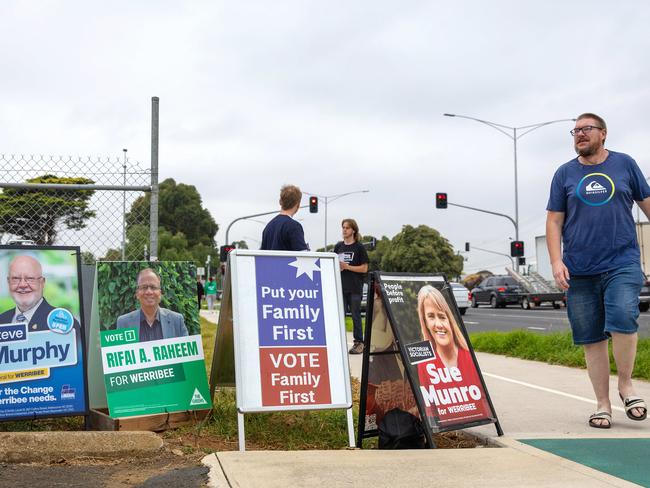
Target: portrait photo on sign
<point>42,359</point>
<point>131,292</point>
<point>437,352</point>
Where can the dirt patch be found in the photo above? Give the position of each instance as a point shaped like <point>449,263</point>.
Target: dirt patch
<point>168,469</point>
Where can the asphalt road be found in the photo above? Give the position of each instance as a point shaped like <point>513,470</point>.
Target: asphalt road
<point>543,320</point>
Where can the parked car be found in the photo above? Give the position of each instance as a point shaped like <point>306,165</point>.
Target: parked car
<point>497,291</point>
<point>644,296</point>
<point>461,294</point>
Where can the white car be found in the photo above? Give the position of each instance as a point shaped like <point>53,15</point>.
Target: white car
<point>461,294</point>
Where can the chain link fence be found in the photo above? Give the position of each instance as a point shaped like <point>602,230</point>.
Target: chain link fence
<point>96,213</point>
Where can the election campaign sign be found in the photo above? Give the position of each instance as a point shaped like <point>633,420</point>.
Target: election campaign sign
<point>145,378</point>
<point>42,361</point>
<point>419,359</point>
<point>290,348</point>
<point>151,353</point>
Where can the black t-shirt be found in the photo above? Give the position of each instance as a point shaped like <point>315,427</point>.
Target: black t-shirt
<point>355,255</point>
<point>283,233</point>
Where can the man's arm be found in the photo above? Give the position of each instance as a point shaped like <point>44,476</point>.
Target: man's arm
<point>361,268</point>
<point>554,223</point>
<point>644,205</point>
<point>182,327</point>
<point>297,238</point>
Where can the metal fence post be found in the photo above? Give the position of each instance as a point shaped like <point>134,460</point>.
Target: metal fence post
<point>153,214</point>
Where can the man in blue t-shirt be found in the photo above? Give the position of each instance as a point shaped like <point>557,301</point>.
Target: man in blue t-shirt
<point>590,212</point>
<point>283,233</point>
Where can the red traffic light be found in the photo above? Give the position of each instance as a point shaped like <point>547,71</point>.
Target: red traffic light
<point>223,252</point>
<point>517,248</point>
<point>313,204</point>
<point>441,200</point>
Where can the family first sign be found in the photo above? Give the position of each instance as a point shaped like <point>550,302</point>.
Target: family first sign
<point>290,344</point>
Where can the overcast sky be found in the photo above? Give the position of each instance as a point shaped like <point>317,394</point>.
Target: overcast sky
<point>334,97</point>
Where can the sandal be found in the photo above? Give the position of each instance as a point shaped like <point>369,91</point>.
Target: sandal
<point>634,402</point>
<point>600,416</point>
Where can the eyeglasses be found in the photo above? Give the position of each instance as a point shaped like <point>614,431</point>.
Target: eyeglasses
<point>585,130</point>
<point>30,280</point>
<point>148,287</point>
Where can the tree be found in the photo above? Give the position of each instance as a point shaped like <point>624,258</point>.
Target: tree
<point>38,214</point>
<point>179,210</point>
<point>421,250</point>
<point>240,244</point>
<point>375,256</point>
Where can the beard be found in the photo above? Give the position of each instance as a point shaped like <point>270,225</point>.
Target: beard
<point>590,150</point>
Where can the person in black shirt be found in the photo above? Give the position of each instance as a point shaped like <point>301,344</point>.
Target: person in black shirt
<point>283,233</point>
<point>353,260</point>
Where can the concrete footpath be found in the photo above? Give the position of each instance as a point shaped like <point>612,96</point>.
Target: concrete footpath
<point>533,401</point>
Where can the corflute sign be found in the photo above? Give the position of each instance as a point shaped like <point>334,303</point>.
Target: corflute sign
<point>290,346</point>
<point>293,343</point>
<point>42,371</point>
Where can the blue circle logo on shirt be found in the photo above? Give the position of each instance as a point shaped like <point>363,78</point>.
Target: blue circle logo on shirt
<point>60,321</point>
<point>595,189</point>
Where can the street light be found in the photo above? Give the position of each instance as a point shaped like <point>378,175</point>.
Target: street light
<point>514,136</point>
<point>331,198</point>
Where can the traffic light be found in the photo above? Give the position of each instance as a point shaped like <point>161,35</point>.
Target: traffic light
<point>517,248</point>
<point>313,204</point>
<point>467,247</point>
<point>441,200</point>
<point>223,252</point>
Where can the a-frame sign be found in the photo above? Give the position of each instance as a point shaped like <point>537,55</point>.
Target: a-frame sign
<point>418,358</point>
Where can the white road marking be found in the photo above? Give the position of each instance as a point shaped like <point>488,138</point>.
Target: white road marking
<point>468,322</point>
<point>536,328</point>
<point>548,390</point>
<point>531,316</point>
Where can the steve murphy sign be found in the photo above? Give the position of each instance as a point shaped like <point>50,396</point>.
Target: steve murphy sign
<point>42,371</point>
<point>289,331</point>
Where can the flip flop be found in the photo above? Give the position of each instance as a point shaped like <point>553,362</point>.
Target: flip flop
<point>600,416</point>
<point>634,402</point>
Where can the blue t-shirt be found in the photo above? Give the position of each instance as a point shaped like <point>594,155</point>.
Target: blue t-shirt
<point>598,232</point>
<point>283,233</point>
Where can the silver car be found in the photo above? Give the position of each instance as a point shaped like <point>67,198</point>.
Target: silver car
<point>461,294</point>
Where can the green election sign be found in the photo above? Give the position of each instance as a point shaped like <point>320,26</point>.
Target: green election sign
<point>144,378</point>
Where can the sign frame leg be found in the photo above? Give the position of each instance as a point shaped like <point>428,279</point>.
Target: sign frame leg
<point>240,432</point>
<point>351,440</point>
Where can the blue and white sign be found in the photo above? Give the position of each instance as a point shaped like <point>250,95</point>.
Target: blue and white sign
<point>60,320</point>
<point>42,371</point>
<point>289,327</point>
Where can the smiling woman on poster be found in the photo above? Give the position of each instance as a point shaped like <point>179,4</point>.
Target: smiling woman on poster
<point>450,380</point>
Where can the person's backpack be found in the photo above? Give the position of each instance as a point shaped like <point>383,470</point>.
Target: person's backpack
<point>401,430</point>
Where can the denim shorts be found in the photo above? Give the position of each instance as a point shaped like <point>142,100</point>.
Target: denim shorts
<point>600,304</point>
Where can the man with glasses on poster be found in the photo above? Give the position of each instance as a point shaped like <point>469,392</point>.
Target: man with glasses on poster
<point>26,284</point>
<point>152,321</point>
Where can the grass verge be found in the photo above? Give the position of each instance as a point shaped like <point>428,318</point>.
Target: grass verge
<point>315,429</point>
<point>557,348</point>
